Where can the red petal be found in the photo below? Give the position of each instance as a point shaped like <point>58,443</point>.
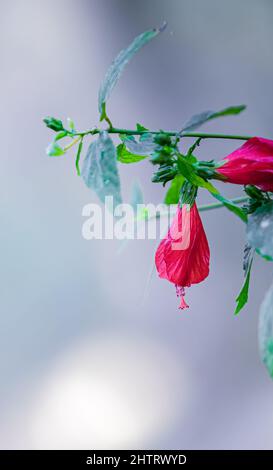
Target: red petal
<point>189,264</point>
<point>252,163</point>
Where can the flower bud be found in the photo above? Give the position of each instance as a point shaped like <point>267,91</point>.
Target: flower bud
<point>53,123</point>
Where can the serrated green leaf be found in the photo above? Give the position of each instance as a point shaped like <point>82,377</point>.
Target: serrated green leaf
<point>116,68</point>
<point>198,119</point>
<point>231,206</point>
<point>243,295</point>
<point>173,193</point>
<point>99,171</point>
<point>54,150</point>
<point>125,156</point>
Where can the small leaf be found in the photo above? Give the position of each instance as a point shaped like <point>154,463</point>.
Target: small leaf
<point>60,135</point>
<point>53,123</point>
<point>265,331</point>
<point>100,171</point>
<point>198,119</point>
<point>173,193</point>
<point>124,156</point>
<point>243,295</point>
<point>116,68</point>
<point>260,230</point>
<point>54,150</point>
<point>231,206</point>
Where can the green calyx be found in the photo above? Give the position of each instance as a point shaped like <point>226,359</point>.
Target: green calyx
<point>257,198</point>
<point>164,174</point>
<point>188,193</point>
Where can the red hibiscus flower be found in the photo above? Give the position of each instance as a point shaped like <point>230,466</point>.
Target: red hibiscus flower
<point>183,255</point>
<point>252,163</point>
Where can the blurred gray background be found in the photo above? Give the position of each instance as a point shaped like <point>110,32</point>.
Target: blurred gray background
<point>89,356</point>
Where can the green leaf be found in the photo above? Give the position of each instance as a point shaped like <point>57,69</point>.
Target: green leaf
<point>60,135</point>
<point>99,171</point>
<point>243,295</point>
<point>116,68</point>
<point>173,193</point>
<point>229,111</point>
<point>125,156</point>
<point>187,170</point>
<point>231,206</point>
<point>145,146</point>
<point>141,148</point>
<point>198,119</point>
<point>265,331</point>
<point>54,150</point>
<point>53,123</point>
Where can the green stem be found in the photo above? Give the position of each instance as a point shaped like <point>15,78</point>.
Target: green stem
<point>73,142</point>
<point>201,135</point>
<point>218,205</point>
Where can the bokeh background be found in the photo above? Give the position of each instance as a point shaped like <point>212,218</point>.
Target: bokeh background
<point>92,355</point>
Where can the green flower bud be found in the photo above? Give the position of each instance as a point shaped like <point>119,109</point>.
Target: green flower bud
<point>162,139</point>
<point>54,124</point>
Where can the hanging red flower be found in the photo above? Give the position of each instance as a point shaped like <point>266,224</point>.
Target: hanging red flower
<point>252,163</point>
<point>182,257</point>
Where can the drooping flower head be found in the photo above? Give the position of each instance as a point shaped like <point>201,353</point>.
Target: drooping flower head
<point>252,163</point>
<point>182,257</point>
